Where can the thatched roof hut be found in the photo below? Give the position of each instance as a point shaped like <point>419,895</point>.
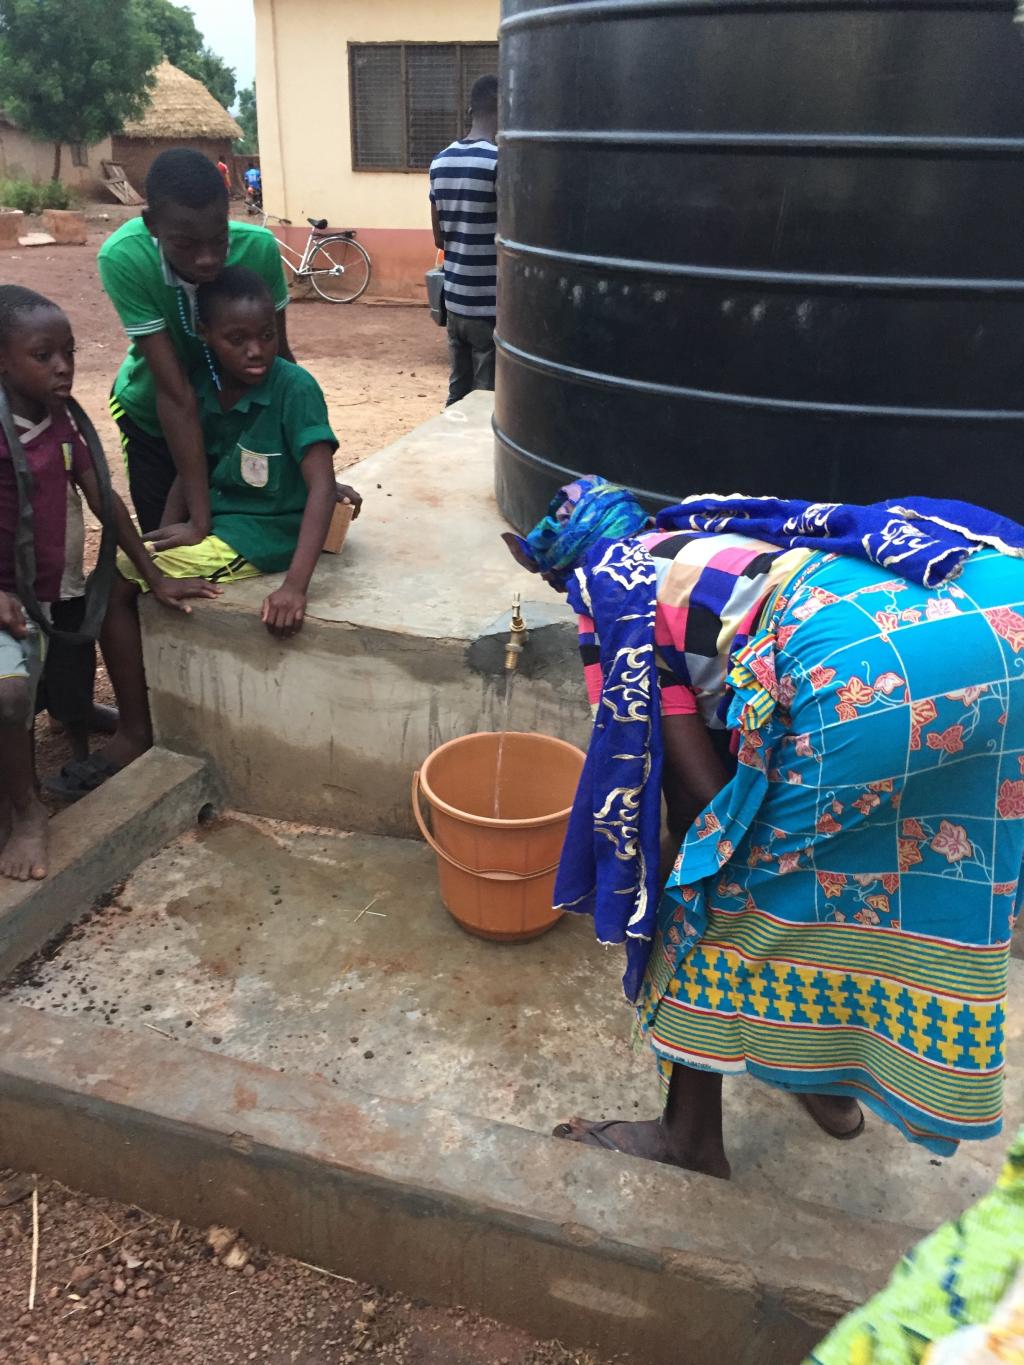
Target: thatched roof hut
<point>180,109</point>
<point>181,113</point>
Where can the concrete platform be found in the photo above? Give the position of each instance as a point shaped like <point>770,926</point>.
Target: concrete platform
<point>98,842</point>
<point>401,650</point>
<point>254,939</point>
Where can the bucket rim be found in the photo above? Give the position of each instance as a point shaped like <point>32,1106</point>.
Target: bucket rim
<point>533,822</point>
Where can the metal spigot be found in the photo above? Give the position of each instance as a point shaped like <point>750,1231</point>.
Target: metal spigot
<point>518,636</point>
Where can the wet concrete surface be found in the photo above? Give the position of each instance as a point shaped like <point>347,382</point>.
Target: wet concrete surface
<point>327,954</point>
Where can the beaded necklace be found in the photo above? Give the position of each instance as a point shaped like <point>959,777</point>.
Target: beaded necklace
<point>179,294</point>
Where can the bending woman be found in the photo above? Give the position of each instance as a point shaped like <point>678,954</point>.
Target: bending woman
<point>838,915</point>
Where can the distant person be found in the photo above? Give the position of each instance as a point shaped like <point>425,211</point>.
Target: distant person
<point>151,268</point>
<point>225,174</point>
<point>464,212</point>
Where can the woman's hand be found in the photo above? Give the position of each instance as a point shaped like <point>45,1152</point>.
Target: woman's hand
<point>347,494</point>
<point>175,592</point>
<point>12,617</point>
<point>284,611</point>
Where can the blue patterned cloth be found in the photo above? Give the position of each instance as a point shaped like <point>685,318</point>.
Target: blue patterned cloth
<point>924,540</point>
<point>609,865</point>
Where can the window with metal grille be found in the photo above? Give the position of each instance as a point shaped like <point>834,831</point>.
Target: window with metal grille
<point>79,154</point>
<point>409,100</point>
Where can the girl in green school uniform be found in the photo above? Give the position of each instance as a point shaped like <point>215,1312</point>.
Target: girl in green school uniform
<point>270,452</point>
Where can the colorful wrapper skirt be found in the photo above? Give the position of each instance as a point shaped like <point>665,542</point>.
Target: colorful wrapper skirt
<point>838,919</point>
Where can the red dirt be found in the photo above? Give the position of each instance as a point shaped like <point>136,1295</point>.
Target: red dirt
<point>117,1286</point>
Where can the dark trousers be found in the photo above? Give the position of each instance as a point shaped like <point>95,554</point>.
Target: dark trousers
<point>471,354</point>
<point>69,672</point>
<point>151,471</point>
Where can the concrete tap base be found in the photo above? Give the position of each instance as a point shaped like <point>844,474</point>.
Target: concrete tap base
<point>402,648</point>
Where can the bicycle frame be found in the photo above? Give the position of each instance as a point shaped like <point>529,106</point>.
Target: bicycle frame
<point>289,255</point>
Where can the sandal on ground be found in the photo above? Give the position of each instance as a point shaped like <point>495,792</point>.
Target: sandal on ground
<point>832,1132</point>
<point>80,778</point>
<point>597,1131</point>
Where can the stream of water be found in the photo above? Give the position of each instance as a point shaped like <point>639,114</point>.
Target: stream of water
<point>510,678</point>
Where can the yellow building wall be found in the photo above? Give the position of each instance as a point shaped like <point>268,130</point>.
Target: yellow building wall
<point>302,90</point>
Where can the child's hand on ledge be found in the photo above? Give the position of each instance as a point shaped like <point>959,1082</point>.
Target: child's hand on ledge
<point>175,592</point>
<point>346,493</point>
<point>283,611</point>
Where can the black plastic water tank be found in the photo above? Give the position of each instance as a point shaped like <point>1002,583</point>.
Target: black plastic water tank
<point>770,246</point>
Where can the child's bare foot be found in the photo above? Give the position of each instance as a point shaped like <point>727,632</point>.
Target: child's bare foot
<point>649,1138</point>
<point>24,856</point>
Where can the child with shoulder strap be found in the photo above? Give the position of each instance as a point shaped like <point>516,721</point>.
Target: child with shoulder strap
<point>41,452</point>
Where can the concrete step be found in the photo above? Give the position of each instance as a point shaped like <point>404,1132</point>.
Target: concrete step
<point>305,1044</point>
<point>97,842</point>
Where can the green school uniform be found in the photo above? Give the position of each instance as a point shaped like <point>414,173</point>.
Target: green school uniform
<point>150,298</point>
<point>257,492</point>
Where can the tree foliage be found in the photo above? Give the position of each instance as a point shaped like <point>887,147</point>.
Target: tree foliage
<point>184,47</point>
<point>74,70</point>
<point>249,145</point>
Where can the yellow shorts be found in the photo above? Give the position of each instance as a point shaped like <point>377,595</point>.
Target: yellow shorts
<point>212,559</point>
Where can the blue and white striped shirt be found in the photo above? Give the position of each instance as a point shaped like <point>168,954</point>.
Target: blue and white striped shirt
<point>463,180</point>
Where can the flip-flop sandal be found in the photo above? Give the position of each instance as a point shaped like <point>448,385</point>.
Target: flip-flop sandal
<point>832,1132</point>
<point>597,1131</point>
<point>80,778</point>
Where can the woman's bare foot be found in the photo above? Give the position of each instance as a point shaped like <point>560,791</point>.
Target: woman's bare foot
<point>649,1139</point>
<point>837,1115</point>
<point>23,857</point>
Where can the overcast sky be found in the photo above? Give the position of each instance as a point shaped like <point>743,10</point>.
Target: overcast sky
<point>229,29</point>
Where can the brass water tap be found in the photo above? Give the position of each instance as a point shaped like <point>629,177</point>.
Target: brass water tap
<point>518,636</point>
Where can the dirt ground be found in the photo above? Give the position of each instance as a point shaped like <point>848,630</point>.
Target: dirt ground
<point>117,1286</point>
<point>383,369</point>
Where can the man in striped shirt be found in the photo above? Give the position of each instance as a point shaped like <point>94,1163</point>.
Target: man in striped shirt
<point>464,211</point>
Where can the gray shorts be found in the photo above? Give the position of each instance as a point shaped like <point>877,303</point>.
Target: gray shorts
<point>23,658</point>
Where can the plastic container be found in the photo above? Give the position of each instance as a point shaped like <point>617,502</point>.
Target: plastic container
<point>497,859</point>
<point>761,247</point>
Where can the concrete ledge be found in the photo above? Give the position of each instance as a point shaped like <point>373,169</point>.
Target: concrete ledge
<point>591,1247</point>
<point>97,843</point>
<point>402,647</point>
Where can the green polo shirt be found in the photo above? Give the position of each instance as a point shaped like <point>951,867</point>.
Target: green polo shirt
<point>255,450</point>
<point>150,297</point>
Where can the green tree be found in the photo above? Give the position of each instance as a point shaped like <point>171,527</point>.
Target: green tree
<point>249,144</point>
<point>183,45</point>
<point>74,70</point>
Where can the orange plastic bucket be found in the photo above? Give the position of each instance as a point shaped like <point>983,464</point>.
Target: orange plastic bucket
<point>497,845</point>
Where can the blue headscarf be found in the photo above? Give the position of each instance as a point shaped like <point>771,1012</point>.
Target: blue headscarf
<point>579,516</point>
<point>609,864</point>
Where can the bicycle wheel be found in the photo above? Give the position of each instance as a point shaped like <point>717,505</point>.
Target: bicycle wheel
<point>339,269</point>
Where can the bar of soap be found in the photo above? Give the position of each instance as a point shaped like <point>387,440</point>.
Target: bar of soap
<point>341,520</point>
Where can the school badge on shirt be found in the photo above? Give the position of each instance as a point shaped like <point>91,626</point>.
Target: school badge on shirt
<point>255,468</point>
<point>66,451</point>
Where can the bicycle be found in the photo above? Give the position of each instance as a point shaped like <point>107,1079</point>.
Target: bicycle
<point>334,263</point>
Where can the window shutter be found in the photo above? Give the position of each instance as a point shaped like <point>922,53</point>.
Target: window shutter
<point>377,108</point>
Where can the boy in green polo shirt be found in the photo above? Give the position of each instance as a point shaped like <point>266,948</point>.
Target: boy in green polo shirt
<point>151,269</point>
<point>272,495</point>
